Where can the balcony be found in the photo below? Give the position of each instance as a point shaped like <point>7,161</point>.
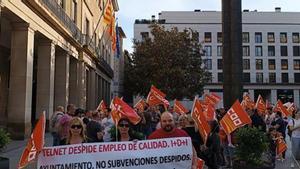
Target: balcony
<point>64,19</point>
<point>86,42</point>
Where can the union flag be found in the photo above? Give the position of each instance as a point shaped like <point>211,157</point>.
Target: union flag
<point>140,105</point>
<point>156,97</point>
<point>35,144</point>
<point>247,102</point>
<point>179,108</point>
<point>279,107</point>
<point>200,120</point>
<point>101,106</point>
<point>280,146</point>
<point>260,105</point>
<point>235,118</point>
<point>212,99</point>
<point>200,163</point>
<point>292,108</point>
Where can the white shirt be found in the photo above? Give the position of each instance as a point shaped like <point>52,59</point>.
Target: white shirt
<point>296,133</point>
<point>107,123</point>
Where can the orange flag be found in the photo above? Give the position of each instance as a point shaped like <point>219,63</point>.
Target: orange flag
<point>200,163</point>
<point>156,97</point>
<point>140,105</point>
<point>260,105</point>
<point>210,113</point>
<point>280,146</point>
<point>108,13</point>
<point>279,107</point>
<point>212,98</point>
<point>101,106</point>
<point>115,112</point>
<point>179,108</point>
<point>235,118</point>
<point>200,119</point>
<point>247,102</point>
<point>292,108</point>
<point>35,143</point>
<point>123,109</point>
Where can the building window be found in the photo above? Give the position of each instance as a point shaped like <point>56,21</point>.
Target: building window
<point>220,64</point>
<point>297,77</point>
<point>284,77</point>
<point>219,50</point>
<point>296,50</point>
<point>271,37</point>
<point>272,77</point>
<point>246,51</point>
<point>296,38</point>
<point>271,50</point>
<point>259,77</point>
<point>283,50</point>
<point>283,37</point>
<point>196,36</point>
<point>87,27</point>
<point>145,35</point>
<point>258,51</point>
<point>259,64</point>
<point>284,64</point>
<point>74,11</point>
<point>207,37</point>
<point>258,37</point>
<point>207,64</point>
<point>207,50</point>
<point>246,64</point>
<point>245,37</point>
<point>297,64</point>
<point>246,77</point>
<point>272,64</point>
<point>220,77</point>
<point>219,37</point>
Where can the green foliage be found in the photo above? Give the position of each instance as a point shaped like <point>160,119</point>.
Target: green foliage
<point>4,138</point>
<point>170,60</point>
<point>252,143</point>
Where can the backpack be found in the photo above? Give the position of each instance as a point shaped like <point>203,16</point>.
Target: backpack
<point>289,130</point>
<point>54,121</point>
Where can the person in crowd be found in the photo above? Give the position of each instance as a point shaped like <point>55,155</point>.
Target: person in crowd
<point>182,121</point>
<point>269,118</point>
<point>93,129</point>
<point>155,116</point>
<point>147,127</point>
<point>280,126</point>
<point>229,147</point>
<point>71,108</point>
<point>54,122</point>
<point>294,127</point>
<point>76,132</point>
<point>64,121</point>
<point>271,135</point>
<point>193,132</point>
<point>107,124</point>
<point>258,121</point>
<point>169,130</point>
<point>126,132</point>
<point>213,157</point>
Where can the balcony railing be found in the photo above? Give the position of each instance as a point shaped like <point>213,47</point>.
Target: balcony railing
<point>60,13</point>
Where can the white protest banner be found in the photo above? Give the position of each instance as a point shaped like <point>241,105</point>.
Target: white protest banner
<point>171,153</point>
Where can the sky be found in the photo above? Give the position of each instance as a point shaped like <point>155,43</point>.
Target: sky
<point>129,10</point>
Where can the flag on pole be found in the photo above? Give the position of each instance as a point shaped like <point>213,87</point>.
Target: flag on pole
<point>200,163</point>
<point>280,146</point>
<point>292,108</point>
<point>141,104</point>
<point>247,102</point>
<point>156,97</point>
<point>279,107</point>
<point>179,108</point>
<point>101,106</point>
<point>118,41</point>
<point>200,120</point>
<point>108,13</point>
<point>260,105</point>
<point>35,143</point>
<point>212,99</point>
<point>210,113</point>
<point>235,118</point>
<point>122,109</point>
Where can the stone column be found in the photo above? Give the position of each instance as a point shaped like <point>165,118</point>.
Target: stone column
<point>61,82</point>
<point>20,83</point>
<point>73,81</point>
<point>92,90</point>
<point>82,85</point>
<point>274,96</point>
<point>296,98</point>
<point>45,78</point>
<point>251,94</point>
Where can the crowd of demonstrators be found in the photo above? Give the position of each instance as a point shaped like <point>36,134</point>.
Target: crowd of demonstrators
<point>79,126</point>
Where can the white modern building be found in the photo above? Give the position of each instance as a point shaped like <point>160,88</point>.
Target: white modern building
<point>271,49</point>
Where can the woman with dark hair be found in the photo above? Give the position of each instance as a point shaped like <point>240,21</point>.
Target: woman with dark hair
<point>212,155</point>
<point>125,131</point>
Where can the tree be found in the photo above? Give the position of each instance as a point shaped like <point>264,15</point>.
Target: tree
<point>170,60</point>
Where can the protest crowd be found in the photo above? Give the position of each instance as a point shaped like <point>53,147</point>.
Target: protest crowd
<point>212,130</point>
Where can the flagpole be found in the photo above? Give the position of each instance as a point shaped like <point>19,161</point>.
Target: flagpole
<point>98,22</point>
